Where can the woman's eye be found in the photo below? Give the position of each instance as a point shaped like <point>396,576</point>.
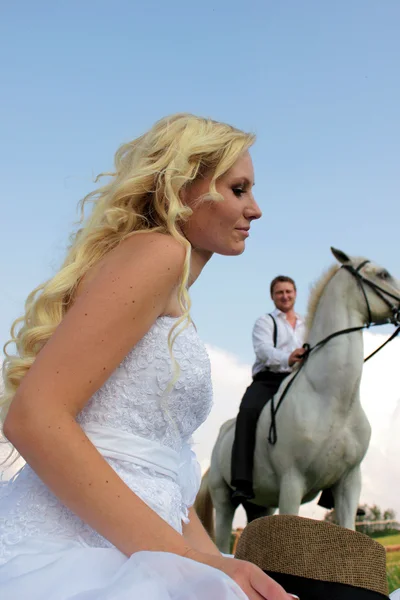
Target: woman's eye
<point>238,191</point>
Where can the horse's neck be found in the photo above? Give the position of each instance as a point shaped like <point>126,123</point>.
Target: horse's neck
<point>338,309</point>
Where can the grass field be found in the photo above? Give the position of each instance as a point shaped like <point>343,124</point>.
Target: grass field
<point>389,540</point>
<point>392,561</point>
<point>393,575</point>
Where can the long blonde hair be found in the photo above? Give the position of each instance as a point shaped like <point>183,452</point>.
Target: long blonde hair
<point>142,195</point>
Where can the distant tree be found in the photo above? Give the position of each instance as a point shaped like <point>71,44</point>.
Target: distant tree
<point>366,513</point>
<point>389,515</point>
<point>363,513</point>
<point>375,513</point>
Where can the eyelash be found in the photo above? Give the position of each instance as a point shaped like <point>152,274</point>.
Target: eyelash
<point>238,191</point>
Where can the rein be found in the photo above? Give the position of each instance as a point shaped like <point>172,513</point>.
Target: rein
<point>395,319</point>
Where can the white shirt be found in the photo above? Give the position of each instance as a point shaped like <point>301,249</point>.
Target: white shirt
<point>288,339</point>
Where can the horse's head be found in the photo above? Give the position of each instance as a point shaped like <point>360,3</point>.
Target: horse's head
<point>379,290</point>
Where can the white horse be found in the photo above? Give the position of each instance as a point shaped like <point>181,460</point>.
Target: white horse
<point>322,430</point>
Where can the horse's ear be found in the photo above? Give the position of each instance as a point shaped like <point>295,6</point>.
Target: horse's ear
<point>340,256</point>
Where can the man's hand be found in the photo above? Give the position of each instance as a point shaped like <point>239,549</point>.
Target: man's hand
<point>296,356</point>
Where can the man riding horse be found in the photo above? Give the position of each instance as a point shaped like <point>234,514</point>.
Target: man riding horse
<point>277,340</point>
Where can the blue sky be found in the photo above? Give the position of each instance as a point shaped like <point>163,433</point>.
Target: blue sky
<point>317,81</point>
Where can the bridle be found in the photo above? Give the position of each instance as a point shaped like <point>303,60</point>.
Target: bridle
<point>384,295</point>
<point>379,291</point>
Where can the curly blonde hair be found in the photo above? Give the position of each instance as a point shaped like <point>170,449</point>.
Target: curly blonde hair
<point>142,195</point>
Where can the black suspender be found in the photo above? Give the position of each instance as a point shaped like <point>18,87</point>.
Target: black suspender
<point>275,338</point>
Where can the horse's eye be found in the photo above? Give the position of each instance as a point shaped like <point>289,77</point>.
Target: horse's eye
<point>384,275</point>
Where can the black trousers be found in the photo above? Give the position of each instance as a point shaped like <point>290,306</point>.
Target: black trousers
<point>263,387</point>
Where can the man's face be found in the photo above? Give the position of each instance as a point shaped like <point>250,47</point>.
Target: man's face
<point>284,296</point>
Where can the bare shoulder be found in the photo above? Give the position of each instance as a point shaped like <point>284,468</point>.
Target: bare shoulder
<point>142,256</point>
<point>115,307</point>
<point>164,249</point>
<point>155,242</point>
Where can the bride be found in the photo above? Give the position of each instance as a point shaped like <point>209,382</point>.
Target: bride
<point>110,380</point>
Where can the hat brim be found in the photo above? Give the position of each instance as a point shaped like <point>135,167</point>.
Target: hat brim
<point>313,589</point>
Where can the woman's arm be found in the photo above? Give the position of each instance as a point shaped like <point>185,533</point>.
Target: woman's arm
<point>114,310</point>
<point>130,289</point>
<point>197,537</point>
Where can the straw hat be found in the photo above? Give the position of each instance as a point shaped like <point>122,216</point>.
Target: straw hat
<point>315,559</point>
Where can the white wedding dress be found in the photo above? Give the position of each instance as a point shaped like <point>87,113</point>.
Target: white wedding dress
<point>48,553</point>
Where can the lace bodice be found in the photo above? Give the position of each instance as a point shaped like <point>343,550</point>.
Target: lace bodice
<point>136,399</point>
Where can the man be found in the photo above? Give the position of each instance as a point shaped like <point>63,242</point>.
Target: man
<point>278,338</point>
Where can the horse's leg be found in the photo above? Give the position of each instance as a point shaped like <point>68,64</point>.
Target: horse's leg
<point>224,513</point>
<point>291,491</point>
<point>224,509</point>
<point>256,512</point>
<point>346,494</point>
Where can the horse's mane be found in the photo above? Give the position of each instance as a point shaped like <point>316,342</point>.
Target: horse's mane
<point>316,290</point>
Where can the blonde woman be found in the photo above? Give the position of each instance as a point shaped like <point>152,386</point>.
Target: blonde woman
<point>110,380</point>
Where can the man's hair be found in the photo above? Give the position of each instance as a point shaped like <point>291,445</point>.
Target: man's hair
<point>282,279</point>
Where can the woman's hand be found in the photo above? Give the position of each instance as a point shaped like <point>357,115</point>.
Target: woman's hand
<point>252,580</point>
